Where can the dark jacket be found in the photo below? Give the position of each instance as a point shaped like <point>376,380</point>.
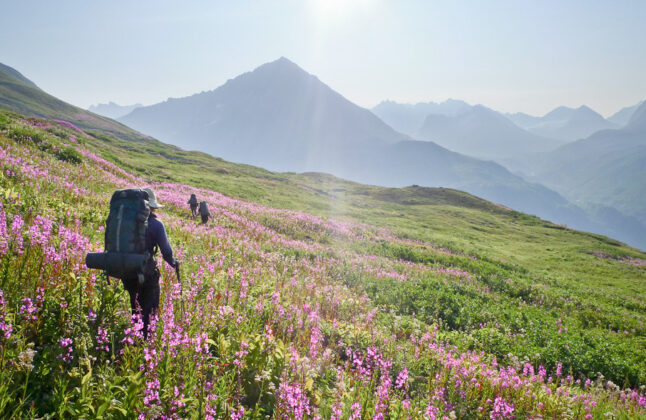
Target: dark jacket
<point>156,235</point>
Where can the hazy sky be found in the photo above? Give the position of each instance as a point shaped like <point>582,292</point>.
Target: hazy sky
<point>512,55</point>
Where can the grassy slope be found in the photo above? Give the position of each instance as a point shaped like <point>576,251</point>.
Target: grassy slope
<point>522,274</point>
<point>563,263</point>
<point>19,94</point>
<point>449,217</point>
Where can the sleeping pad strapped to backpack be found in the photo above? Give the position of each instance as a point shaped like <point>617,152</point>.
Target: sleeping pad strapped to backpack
<point>125,253</point>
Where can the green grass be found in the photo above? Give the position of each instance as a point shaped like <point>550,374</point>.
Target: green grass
<point>551,260</point>
<point>484,277</point>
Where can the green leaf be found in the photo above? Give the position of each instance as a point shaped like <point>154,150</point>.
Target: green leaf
<point>86,377</point>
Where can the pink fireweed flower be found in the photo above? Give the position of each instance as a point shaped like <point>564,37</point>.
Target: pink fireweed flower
<point>16,232</point>
<point>151,392</point>
<point>135,331</point>
<point>91,315</point>
<point>431,412</point>
<point>337,411</point>
<point>502,410</point>
<point>4,237</point>
<point>239,360</point>
<point>28,310</point>
<point>237,414</point>
<point>177,401</point>
<point>102,340</point>
<point>67,345</point>
<point>402,380</point>
<point>5,326</point>
<point>315,339</point>
<point>293,401</point>
<point>40,231</point>
<point>355,411</point>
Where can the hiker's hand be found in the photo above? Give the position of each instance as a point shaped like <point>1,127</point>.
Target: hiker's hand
<point>176,264</point>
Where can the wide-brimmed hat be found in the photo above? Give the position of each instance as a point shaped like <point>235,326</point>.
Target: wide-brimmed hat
<point>152,200</point>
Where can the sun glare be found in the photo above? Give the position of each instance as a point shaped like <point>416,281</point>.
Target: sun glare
<point>337,7</point>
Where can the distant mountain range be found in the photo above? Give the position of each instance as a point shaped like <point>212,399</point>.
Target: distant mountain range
<point>112,110</point>
<point>608,168</point>
<point>408,118</point>
<point>563,123</point>
<point>621,117</point>
<point>280,117</point>
<point>483,133</point>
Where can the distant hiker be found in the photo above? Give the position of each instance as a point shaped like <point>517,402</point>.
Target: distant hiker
<point>204,212</point>
<point>193,203</point>
<point>133,235</point>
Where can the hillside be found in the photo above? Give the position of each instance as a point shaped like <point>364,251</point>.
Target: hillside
<point>387,296</point>
<point>483,133</point>
<point>19,94</point>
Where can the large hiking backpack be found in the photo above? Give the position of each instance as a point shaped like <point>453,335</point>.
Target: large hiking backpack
<point>204,209</point>
<point>125,253</point>
<point>193,200</point>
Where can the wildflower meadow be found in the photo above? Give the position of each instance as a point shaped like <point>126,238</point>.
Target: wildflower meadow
<point>284,314</point>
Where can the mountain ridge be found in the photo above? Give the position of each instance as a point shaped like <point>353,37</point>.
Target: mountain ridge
<point>608,167</point>
<point>564,123</point>
<point>484,133</point>
<point>113,110</point>
<point>251,119</point>
<point>395,163</point>
<point>621,117</point>
<point>408,118</point>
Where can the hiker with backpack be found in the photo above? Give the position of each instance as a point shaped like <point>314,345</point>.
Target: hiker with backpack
<point>204,212</point>
<point>193,203</point>
<point>133,235</point>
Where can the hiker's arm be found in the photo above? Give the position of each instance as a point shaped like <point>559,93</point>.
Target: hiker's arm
<point>164,246</point>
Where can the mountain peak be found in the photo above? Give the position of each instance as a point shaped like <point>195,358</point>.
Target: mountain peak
<point>281,64</point>
<point>586,110</point>
<point>277,116</point>
<point>283,59</point>
<point>564,113</point>
<point>560,112</point>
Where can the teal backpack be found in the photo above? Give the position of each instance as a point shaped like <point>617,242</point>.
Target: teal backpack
<point>125,254</point>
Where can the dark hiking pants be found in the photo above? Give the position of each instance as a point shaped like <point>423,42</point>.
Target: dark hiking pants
<point>144,298</point>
